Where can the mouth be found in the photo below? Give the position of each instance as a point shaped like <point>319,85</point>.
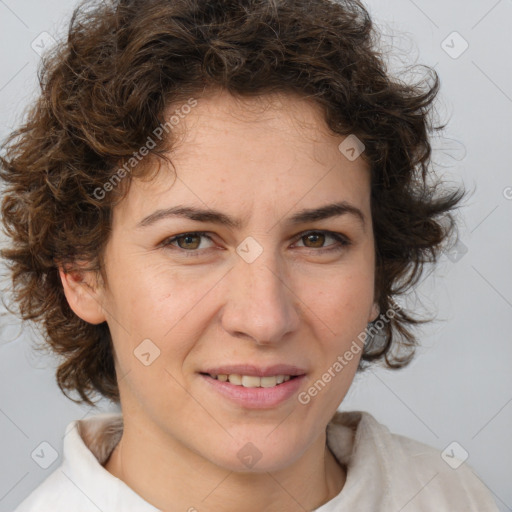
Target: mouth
<point>252,381</point>
<point>253,387</point>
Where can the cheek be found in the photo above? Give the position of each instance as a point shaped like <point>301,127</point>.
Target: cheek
<point>151,299</point>
<point>156,335</point>
<point>342,308</point>
<point>342,300</point>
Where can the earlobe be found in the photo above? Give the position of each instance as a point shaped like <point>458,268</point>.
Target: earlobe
<point>83,295</point>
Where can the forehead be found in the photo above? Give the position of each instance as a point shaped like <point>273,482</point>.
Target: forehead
<point>269,154</point>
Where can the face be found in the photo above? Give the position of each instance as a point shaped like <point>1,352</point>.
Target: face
<point>190,296</point>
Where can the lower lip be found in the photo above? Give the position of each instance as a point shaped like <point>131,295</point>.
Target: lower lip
<point>256,398</point>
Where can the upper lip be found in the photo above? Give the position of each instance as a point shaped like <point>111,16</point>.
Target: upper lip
<point>257,371</point>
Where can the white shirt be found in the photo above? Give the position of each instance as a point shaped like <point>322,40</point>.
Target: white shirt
<point>385,472</point>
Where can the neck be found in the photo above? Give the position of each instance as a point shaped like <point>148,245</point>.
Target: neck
<point>193,483</point>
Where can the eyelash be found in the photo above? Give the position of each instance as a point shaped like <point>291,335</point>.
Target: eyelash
<point>342,242</point>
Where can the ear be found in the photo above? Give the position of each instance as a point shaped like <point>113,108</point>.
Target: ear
<point>83,293</point>
<point>374,312</point>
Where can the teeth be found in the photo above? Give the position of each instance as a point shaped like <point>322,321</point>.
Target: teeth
<point>235,379</point>
<point>251,381</point>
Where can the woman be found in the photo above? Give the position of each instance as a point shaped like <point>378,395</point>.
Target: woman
<point>212,209</point>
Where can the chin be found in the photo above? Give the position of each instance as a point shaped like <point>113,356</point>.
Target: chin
<point>258,456</point>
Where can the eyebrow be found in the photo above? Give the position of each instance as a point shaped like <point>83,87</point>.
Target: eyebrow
<point>208,215</point>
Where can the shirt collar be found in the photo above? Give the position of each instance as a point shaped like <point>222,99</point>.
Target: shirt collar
<point>87,445</point>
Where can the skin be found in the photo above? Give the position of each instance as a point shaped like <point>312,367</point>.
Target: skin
<point>260,160</point>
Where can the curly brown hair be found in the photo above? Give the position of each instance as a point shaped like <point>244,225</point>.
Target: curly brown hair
<point>106,88</point>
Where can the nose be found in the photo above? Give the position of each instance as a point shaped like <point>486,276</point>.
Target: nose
<point>261,304</point>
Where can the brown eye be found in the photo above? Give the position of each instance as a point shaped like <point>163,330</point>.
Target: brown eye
<point>317,240</point>
<point>190,241</point>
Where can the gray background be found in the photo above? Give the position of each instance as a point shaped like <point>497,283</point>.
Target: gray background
<point>459,388</point>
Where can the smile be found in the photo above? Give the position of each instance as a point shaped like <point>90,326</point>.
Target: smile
<point>252,381</point>
<point>252,392</point>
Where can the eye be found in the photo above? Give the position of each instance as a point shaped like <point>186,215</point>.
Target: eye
<point>189,242</point>
<point>317,239</point>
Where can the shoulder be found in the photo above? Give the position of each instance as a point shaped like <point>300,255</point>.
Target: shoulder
<point>412,475</point>
<point>80,482</point>
<point>56,493</point>
<point>443,477</point>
